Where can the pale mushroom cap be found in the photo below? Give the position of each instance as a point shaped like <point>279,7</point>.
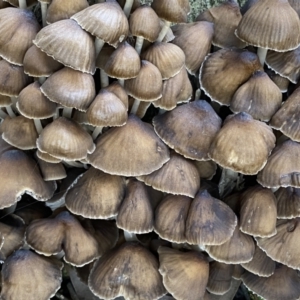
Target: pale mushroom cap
<point>106,21</point>
<point>65,139</point>
<point>243,144</point>
<point>130,271</point>
<point>78,52</point>
<point>282,168</point>
<point>200,123</point>
<point>70,88</point>
<point>95,195</point>
<point>178,176</point>
<point>280,23</point>
<point>185,274</point>
<point>288,203</point>
<point>18,29</point>
<point>131,150</point>
<point>26,275</point>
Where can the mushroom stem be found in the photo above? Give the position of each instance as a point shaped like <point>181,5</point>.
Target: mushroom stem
<point>121,81</point>
<point>104,80</point>
<point>163,31</point>
<point>197,94</point>
<point>161,111</point>
<point>135,106</point>
<point>98,45</point>
<point>127,7</point>
<point>72,292</point>
<point>67,112</point>
<point>56,115</point>
<point>99,1</point>
<point>96,132</point>
<point>262,53</point>
<point>42,80</point>
<point>3,115</point>
<point>22,4</point>
<point>10,111</point>
<point>38,125</point>
<point>130,237</point>
<point>44,7</point>
<point>229,181</point>
<point>139,44</point>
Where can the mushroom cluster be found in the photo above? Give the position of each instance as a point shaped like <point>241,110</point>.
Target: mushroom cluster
<point>145,157</point>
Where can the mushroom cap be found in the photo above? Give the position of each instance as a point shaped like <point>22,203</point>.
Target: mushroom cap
<point>38,64</point>
<point>60,10</point>
<point>18,29</point>
<point>33,104</point>
<point>200,123</point>
<point>129,270</point>
<point>283,284</point>
<point>225,17</point>
<point>286,119</point>
<point>261,264</point>
<point>170,218</point>
<point>281,82</point>
<point>14,183</point>
<point>124,62</point>
<point>209,221</point>
<point>185,274</point>
<point>95,195</point>
<point>224,71</point>
<point>243,144</point>
<point>258,212</point>
<point>282,168</point>
<point>47,157</point>
<point>70,88</point>
<point>116,88</point>
<point>136,214</point>
<point>259,97</point>
<point>105,21</point>
<point>286,252</point>
<point>207,169</point>
<point>178,176</point>
<point>78,52</point>
<point>65,139</point>
<point>174,11</point>
<point>280,22</point>
<point>63,232</point>
<point>51,171</point>
<point>185,37</point>
<point>131,150</point>
<point>144,22</point>
<point>167,57</point>
<point>26,275</point>
<point>147,86</point>
<point>288,203</point>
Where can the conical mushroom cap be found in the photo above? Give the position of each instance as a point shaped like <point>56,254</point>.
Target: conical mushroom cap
<point>282,168</point>
<point>280,22</point>
<point>26,275</point>
<point>286,252</point>
<point>243,144</point>
<point>78,52</point>
<point>283,284</point>
<point>130,271</point>
<point>209,221</point>
<point>131,150</point>
<point>189,129</point>
<point>185,274</point>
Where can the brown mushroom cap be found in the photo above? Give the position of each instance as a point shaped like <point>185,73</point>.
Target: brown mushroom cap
<point>283,284</point>
<point>63,232</point>
<point>282,168</point>
<point>178,176</point>
<point>18,28</point>
<point>130,271</point>
<point>185,274</point>
<point>243,144</point>
<point>209,221</point>
<point>131,150</point>
<point>280,22</point>
<point>78,52</point>
<point>95,195</point>
<point>14,184</point>
<point>223,71</point>
<point>65,139</point>
<point>26,275</point>
<point>197,120</point>
<point>106,21</point>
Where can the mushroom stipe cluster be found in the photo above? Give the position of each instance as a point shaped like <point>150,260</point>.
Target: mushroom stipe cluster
<point>143,157</point>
